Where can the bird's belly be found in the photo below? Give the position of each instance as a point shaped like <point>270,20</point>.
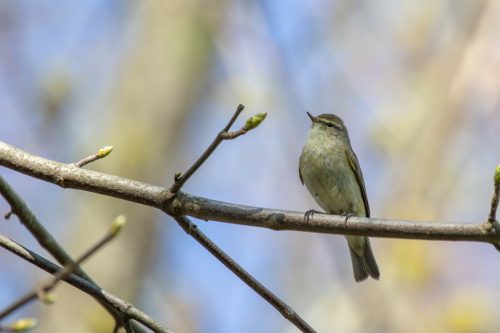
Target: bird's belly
<point>333,186</point>
<point>331,197</point>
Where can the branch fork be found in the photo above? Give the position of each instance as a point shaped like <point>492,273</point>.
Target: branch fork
<point>181,178</point>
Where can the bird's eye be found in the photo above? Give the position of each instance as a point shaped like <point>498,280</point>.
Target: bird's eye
<point>329,124</point>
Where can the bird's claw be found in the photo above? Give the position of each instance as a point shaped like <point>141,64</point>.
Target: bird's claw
<point>347,217</point>
<point>310,213</point>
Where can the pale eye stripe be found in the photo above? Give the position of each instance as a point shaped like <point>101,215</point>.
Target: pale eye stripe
<point>329,124</point>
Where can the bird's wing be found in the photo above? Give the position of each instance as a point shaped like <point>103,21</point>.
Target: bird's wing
<point>353,162</point>
<point>300,165</point>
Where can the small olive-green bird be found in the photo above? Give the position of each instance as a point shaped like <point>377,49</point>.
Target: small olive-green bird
<point>330,170</point>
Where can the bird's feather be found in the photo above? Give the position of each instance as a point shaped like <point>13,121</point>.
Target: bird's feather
<point>353,162</point>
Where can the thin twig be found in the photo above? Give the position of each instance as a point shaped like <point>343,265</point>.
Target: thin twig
<point>495,226</point>
<point>61,274</point>
<point>287,312</point>
<point>123,307</point>
<point>181,180</point>
<point>44,238</point>
<point>233,135</point>
<point>101,153</point>
<point>494,205</point>
<point>67,176</point>
<point>35,227</point>
<point>22,324</point>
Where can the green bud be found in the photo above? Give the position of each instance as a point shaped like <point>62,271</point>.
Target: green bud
<point>117,224</point>
<point>497,174</point>
<point>103,152</point>
<point>48,298</point>
<point>23,324</point>
<point>254,121</point>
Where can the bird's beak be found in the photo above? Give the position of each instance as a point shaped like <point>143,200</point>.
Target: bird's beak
<point>313,118</point>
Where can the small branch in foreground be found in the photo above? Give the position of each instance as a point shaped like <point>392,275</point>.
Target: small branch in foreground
<point>44,289</point>
<point>287,312</point>
<point>20,325</point>
<point>35,227</point>
<point>121,306</point>
<point>44,238</point>
<point>101,153</point>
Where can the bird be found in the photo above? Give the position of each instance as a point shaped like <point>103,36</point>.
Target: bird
<point>330,170</point>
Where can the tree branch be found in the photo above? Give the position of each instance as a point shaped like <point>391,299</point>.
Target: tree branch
<point>207,209</point>
<point>30,221</point>
<point>44,238</point>
<point>41,291</point>
<point>68,176</point>
<point>287,312</point>
<point>123,307</point>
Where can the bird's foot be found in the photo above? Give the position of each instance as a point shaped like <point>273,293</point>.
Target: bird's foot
<point>347,217</point>
<point>310,213</point>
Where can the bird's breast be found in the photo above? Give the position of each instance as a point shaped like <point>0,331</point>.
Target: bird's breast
<point>330,180</point>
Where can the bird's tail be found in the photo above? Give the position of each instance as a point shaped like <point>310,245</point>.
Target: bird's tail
<point>365,264</point>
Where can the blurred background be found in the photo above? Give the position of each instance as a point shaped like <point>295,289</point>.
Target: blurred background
<point>417,84</point>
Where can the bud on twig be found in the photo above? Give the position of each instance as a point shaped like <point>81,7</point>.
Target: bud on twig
<point>103,152</point>
<point>23,324</point>
<point>254,121</point>
<point>117,224</point>
<point>48,298</point>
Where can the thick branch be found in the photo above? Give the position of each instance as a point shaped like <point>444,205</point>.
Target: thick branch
<point>123,307</point>
<point>207,209</point>
<point>69,176</point>
<point>287,312</point>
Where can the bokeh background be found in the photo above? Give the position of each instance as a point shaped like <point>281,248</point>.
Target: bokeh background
<point>416,82</point>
